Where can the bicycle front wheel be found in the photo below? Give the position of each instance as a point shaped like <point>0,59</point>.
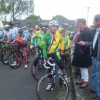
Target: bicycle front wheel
<point>15,59</point>
<point>40,71</point>
<point>57,92</point>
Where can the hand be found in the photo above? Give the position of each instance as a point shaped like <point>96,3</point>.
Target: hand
<point>81,43</point>
<point>62,52</point>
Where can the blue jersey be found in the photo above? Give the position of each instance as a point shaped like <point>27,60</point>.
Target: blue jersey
<point>26,34</point>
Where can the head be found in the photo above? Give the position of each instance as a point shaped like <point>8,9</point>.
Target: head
<point>24,43</point>
<point>37,27</point>
<point>65,26</point>
<point>44,28</point>
<point>11,24</point>
<point>53,25</point>
<point>6,27</point>
<point>62,31</point>
<point>82,23</point>
<point>96,21</point>
<point>24,28</point>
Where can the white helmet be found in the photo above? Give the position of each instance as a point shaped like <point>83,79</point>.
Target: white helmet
<point>53,22</point>
<point>6,26</point>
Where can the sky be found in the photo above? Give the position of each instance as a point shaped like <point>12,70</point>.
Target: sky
<point>71,9</point>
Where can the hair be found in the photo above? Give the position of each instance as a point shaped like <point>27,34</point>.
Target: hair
<point>97,17</point>
<point>81,20</point>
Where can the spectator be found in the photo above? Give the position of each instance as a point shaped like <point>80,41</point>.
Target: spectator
<point>77,73</point>
<point>95,45</point>
<point>82,57</point>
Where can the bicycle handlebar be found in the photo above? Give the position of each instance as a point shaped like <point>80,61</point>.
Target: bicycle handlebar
<point>48,61</point>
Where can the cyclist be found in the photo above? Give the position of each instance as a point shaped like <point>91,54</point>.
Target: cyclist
<point>66,40</point>
<point>39,42</point>
<point>18,43</point>
<point>65,26</point>
<point>13,31</point>
<point>1,33</point>
<point>52,43</point>
<point>6,33</point>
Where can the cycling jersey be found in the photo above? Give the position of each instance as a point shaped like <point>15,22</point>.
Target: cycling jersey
<point>13,31</point>
<point>52,44</point>
<point>18,42</point>
<point>66,41</point>
<point>37,38</point>
<point>26,34</point>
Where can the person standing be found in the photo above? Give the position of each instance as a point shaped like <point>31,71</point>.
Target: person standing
<point>95,45</point>
<point>82,57</point>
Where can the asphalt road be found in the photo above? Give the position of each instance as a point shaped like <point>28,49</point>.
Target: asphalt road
<point>17,84</point>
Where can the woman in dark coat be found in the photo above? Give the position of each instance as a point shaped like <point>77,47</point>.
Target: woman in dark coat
<point>82,57</point>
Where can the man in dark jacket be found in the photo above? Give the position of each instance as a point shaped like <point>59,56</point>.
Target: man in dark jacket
<point>95,45</point>
<point>82,57</point>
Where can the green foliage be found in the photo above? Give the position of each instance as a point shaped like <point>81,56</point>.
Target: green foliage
<point>16,8</point>
<point>5,22</point>
<point>35,20</point>
<point>59,17</point>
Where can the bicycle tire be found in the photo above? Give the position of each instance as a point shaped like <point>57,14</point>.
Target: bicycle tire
<point>5,55</point>
<point>12,58</point>
<point>39,72</point>
<point>1,49</point>
<point>56,96</point>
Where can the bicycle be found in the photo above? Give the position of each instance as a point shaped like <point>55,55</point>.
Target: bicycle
<point>39,68</point>
<point>59,90</point>
<point>17,56</point>
<point>6,50</point>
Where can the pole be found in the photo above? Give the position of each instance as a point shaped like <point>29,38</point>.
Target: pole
<point>87,14</point>
<point>13,10</point>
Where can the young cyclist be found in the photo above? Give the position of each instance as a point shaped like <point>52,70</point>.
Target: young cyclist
<point>66,40</point>
<point>18,43</point>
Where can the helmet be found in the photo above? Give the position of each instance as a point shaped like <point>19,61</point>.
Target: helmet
<point>53,23</point>
<point>65,24</point>
<point>11,23</point>
<point>6,26</point>
<point>20,31</point>
<point>61,30</point>
<point>24,43</point>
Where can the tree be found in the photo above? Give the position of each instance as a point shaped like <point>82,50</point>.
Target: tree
<point>35,19</point>
<point>16,8</point>
<point>59,17</point>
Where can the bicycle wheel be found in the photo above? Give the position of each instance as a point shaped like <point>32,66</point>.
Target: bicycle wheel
<point>40,71</point>
<point>15,59</point>
<point>5,55</point>
<point>56,93</point>
<point>29,57</point>
<point>1,49</point>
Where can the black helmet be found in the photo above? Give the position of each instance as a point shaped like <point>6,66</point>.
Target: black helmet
<point>43,26</point>
<point>11,23</point>
<point>20,31</point>
<point>24,43</point>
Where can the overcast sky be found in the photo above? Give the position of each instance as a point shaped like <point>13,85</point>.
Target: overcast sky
<point>71,9</point>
